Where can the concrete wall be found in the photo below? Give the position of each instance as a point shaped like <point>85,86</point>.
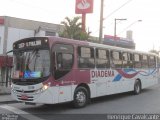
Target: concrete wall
<point>40,33</point>
<point>15,34</point>
<point>14,29</point>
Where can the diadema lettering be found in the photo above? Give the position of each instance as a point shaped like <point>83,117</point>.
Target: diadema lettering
<point>102,73</point>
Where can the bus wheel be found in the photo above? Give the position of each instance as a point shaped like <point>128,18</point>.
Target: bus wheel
<point>137,87</point>
<point>80,97</point>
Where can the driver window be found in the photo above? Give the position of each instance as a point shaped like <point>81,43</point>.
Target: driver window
<point>63,59</point>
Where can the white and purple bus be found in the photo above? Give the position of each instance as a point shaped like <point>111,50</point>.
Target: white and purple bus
<point>52,70</point>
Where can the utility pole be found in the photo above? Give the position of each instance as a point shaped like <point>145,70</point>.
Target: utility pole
<point>101,22</point>
<point>5,35</point>
<point>84,22</point>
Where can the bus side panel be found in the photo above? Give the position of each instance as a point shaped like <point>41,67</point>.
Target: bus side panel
<point>148,78</point>
<point>93,90</point>
<point>45,97</point>
<point>55,93</point>
<point>84,76</point>
<point>119,84</point>
<point>65,93</point>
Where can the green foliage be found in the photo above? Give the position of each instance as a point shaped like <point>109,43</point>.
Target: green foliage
<point>73,30</point>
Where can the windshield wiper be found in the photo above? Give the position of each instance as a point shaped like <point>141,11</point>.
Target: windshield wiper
<point>33,54</point>
<point>29,57</point>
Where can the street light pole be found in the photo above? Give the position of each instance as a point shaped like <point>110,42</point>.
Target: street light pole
<point>115,26</point>
<point>130,25</point>
<point>101,22</point>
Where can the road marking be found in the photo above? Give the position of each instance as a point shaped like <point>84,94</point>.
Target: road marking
<point>17,111</point>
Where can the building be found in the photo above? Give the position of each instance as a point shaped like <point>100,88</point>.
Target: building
<point>13,29</point>
<point>119,41</point>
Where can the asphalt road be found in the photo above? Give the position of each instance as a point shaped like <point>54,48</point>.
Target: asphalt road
<point>148,102</point>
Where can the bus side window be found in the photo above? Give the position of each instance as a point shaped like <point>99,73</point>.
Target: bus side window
<point>158,62</point>
<point>59,61</point>
<point>102,58</point>
<point>130,60</point>
<point>144,61</point>
<point>62,59</point>
<point>125,60</point>
<point>152,62</point>
<point>86,57</point>
<point>116,59</point>
<point>137,61</point>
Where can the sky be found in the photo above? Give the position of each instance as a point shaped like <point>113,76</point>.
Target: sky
<point>145,33</point>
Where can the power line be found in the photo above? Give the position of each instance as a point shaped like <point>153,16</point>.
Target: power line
<point>115,12</point>
<point>129,26</point>
<point>117,9</point>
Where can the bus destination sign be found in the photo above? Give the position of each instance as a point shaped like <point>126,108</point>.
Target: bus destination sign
<point>29,44</point>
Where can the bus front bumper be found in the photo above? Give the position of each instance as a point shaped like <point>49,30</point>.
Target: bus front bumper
<point>44,97</point>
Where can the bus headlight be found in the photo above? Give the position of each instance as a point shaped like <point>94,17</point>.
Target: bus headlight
<point>42,89</point>
<point>45,87</point>
<point>11,86</point>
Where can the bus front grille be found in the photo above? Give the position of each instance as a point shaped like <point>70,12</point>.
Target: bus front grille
<point>25,91</point>
<point>25,98</point>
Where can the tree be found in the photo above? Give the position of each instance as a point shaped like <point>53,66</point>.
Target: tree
<point>73,30</point>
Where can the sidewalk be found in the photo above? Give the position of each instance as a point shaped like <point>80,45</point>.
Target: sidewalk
<point>6,99</point>
<point>5,95</point>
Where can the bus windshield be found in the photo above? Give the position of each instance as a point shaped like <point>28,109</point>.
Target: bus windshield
<point>31,64</point>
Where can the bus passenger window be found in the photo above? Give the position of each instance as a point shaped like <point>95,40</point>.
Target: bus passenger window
<point>59,61</point>
<point>137,61</point>
<point>116,59</point>
<point>152,62</point>
<point>144,61</point>
<point>102,58</point>
<point>130,60</point>
<point>127,60</point>
<point>86,57</point>
<point>63,59</point>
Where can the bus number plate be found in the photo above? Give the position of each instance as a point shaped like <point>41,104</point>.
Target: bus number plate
<point>24,97</point>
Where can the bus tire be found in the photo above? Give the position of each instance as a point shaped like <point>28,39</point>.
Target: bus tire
<point>81,97</point>
<point>137,87</point>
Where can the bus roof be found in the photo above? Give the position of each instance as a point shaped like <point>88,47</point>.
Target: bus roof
<point>86,43</point>
<point>92,44</point>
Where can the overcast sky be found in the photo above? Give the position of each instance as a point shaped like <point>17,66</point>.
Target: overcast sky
<point>145,33</point>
